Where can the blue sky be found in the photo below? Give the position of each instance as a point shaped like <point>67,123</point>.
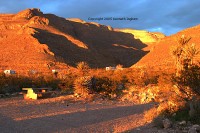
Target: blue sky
<point>167,16</point>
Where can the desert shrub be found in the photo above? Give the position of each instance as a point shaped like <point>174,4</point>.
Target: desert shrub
<point>190,112</point>
<point>187,76</point>
<point>117,75</point>
<point>145,78</point>
<point>139,81</point>
<point>151,80</point>
<point>67,84</point>
<point>130,76</point>
<point>83,85</point>
<point>165,109</point>
<point>39,82</point>
<point>82,81</point>
<point>194,112</point>
<point>14,83</point>
<point>156,114</point>
<point>165,80</point>
<point>51,82</point>
<point>190,77</point>
<point>110,83</point>
<point>22,82</point>
<point>106,86</point>
<point>182,114</point>
<point>184,54</point>
<point>142,77</point>
<point>187,72</point>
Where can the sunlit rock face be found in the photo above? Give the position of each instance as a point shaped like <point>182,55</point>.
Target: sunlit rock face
<point>143,35</point>
<point>76,20</point>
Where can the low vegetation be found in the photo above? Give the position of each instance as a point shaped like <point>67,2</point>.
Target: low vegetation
<point>183,100</point>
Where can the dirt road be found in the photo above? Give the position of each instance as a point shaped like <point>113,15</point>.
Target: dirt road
<point>64,114</point>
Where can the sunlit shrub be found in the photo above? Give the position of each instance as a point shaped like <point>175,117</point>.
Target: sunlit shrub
<point>83,85</point>
<point>66,84</point>
<point>165,80</point>
<point>106,86</point>
<point>190,77</point>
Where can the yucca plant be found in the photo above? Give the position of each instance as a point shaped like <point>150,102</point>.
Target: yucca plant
<point>184,54</point>
<point>82,85</point>
<point>187,72</point>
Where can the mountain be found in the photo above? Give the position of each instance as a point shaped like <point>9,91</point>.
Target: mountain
<point>160,55</point>
<point>30,39</point>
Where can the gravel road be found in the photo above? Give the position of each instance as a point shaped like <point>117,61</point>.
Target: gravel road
<point>66,114</point>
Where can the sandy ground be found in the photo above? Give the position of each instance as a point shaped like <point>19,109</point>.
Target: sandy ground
<point>66,114</point>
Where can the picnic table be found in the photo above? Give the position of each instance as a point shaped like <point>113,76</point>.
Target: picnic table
<point>35,93</point>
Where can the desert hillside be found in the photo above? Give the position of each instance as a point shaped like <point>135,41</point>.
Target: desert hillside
<point>29,40</point>
<point>160,55</point>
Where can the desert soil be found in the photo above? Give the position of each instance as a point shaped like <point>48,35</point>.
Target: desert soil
<point>67,114</point>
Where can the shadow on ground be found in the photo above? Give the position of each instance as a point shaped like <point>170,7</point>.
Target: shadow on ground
<point>97,120</point>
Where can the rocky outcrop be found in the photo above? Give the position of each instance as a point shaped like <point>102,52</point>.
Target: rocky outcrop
<point>78,20</point>
<point>39,20</point>
<point>28,13</point>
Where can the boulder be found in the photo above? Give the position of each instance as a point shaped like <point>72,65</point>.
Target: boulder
<point>192,130</point>
<point>167,123</point>
<point>196,127</point>
<point>182,123</point>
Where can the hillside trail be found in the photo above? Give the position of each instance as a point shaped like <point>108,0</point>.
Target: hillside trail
<point>64,114</point>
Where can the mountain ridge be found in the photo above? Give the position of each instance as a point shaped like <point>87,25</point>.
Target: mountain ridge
<point>30,39</point>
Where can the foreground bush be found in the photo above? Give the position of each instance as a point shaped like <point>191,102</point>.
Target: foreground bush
<point>106,86</point>
<point>190,77</point>
<point>83,85</point>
